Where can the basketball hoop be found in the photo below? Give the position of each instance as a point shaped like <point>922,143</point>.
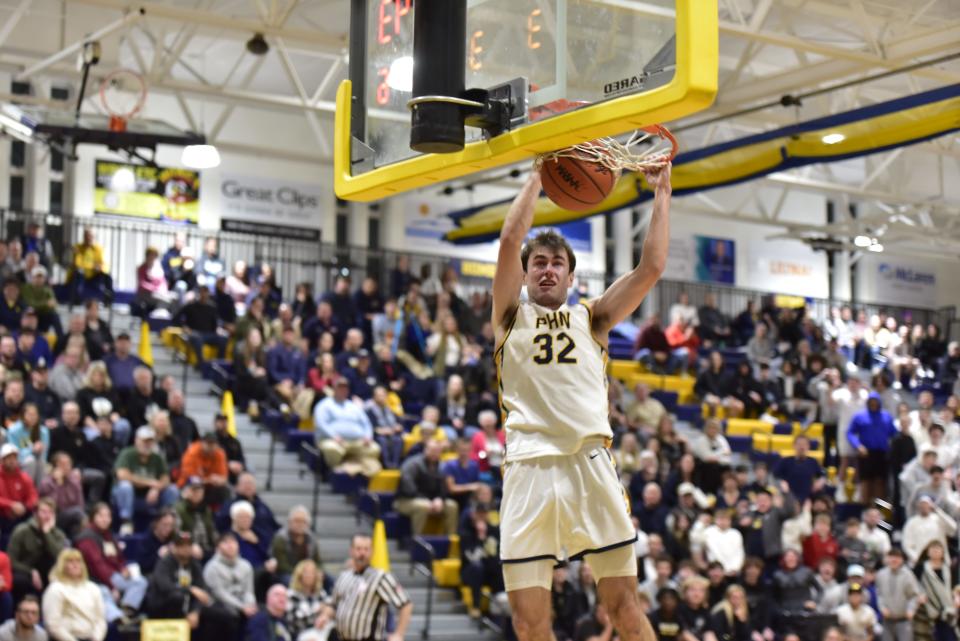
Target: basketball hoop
<point>609,152</point>
<point>122,93</point>
<point>618,156</point>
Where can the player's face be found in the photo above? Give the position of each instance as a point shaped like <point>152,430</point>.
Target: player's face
<point>548,277</point>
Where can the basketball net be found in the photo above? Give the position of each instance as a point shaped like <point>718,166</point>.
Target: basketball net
<point>122,94</point>
<point>610,152</point>
<point>619,156</point>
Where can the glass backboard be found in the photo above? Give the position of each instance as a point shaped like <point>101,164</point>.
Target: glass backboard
<point>576,57</point>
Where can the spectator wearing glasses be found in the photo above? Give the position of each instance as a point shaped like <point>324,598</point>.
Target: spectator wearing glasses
<point>25,626</point>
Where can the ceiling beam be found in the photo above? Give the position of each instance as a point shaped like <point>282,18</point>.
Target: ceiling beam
<point>13,20</point>
<point>70,50</point>
<point>899,54</point>
<point>317,39</point>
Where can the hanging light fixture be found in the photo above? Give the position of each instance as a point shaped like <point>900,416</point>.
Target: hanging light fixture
<point>200,157</point>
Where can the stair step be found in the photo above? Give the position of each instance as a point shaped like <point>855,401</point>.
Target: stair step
<point>335,514</point>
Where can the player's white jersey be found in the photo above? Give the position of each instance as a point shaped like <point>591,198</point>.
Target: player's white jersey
<point>553,384</point>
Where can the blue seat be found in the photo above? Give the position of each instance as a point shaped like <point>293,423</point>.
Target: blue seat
<point>396,525</point>
<point>741,444</point>
<point>296,436</point>
<point>668,399</point>
<point>688,413</point>
<point>367,505</point>
<point>342,483</point>
<point>440,545</point>
<point>620,348</point>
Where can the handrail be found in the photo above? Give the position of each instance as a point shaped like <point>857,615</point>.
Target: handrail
<point>273,447</point>
<point>420,542</point>
<point>362,492</point>
<point>315,452</point>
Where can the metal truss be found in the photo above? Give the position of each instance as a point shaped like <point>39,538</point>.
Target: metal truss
<point>769,48</point>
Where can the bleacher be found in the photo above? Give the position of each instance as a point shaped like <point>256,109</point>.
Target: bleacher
<point>758,439</point>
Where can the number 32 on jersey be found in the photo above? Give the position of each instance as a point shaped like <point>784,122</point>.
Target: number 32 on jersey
<point>561,344</point>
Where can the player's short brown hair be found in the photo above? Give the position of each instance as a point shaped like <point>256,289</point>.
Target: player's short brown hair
<point>549,239</point>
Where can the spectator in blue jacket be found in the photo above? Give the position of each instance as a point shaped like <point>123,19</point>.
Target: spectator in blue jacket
<point>121,364</point>
<point>870,432</point>
<point>801,472</point>
<point>270,623</point>
<point>287,367</point>
<point>286,361</point>
<point>345,433</point>
<point>264,522</point>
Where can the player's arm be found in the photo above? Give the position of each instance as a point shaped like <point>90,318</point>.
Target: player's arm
<point>508,278</point>
<point>627,292</point>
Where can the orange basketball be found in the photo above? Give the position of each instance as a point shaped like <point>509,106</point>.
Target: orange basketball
<point>575,184</point>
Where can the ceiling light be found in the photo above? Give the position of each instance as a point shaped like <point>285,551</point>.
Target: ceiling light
<point>400,77</point>
<point>14,124</point>
<point>832,139</point>
<point>876,247</point>
<point>123,179</point>
<point>200,157</point>
<point>862,241</point>
<point>257,45</point>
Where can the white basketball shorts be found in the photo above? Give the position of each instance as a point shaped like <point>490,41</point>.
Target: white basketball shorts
<point>561,508</point>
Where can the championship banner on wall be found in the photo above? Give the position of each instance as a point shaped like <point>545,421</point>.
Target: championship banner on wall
<point>153,193</point>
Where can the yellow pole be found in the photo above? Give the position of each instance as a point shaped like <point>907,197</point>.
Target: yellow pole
<point>146,350</point>
<point>226,406</point>
<point>380,558</point>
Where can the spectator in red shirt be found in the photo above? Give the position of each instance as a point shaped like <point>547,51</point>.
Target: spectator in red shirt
<point>821,544</point>
<point>6,587</point>
<point>18,495</point>
<point>654,350</point>
<point>105,561</point>
<point>683,339</point>
<point>487,445</point>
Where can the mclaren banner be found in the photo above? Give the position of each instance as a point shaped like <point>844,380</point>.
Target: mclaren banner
<point>154,193</point>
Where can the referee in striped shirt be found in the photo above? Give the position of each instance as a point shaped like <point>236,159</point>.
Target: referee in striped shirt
<point>362,597</point>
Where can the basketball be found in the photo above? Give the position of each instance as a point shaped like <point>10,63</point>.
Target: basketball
<point>576,184</point>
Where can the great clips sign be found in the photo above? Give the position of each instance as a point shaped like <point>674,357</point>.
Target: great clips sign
<point>267,205</point>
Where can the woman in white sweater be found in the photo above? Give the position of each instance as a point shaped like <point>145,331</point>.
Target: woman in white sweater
<point>72,605</point>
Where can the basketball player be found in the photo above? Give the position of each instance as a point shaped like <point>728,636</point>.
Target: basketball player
<point>562,497</point>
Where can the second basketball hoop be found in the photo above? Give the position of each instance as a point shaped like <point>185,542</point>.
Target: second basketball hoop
<point>123,93</point>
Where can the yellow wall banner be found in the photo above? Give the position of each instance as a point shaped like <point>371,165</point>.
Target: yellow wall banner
<point>154,193</point>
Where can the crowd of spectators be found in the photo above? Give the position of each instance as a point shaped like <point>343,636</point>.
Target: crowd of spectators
<point>115,503</point>
<point>400,375</point>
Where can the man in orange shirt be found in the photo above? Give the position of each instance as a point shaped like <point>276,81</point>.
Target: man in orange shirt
<point>207,460</point>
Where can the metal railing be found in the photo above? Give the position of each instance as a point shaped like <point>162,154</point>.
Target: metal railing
<point>315,469</point>
<point>425,570</point>
<point>318,263</point>
<point>733,300</point>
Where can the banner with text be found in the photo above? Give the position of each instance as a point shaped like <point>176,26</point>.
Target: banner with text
<point>272,206</point>
<point>787,266</point>
<point>155,193</point>
<point>905,284</point>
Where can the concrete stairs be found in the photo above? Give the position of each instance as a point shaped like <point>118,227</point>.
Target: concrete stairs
<point>292,484</point>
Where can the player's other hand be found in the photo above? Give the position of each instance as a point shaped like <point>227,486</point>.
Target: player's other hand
<point>658,177</point>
